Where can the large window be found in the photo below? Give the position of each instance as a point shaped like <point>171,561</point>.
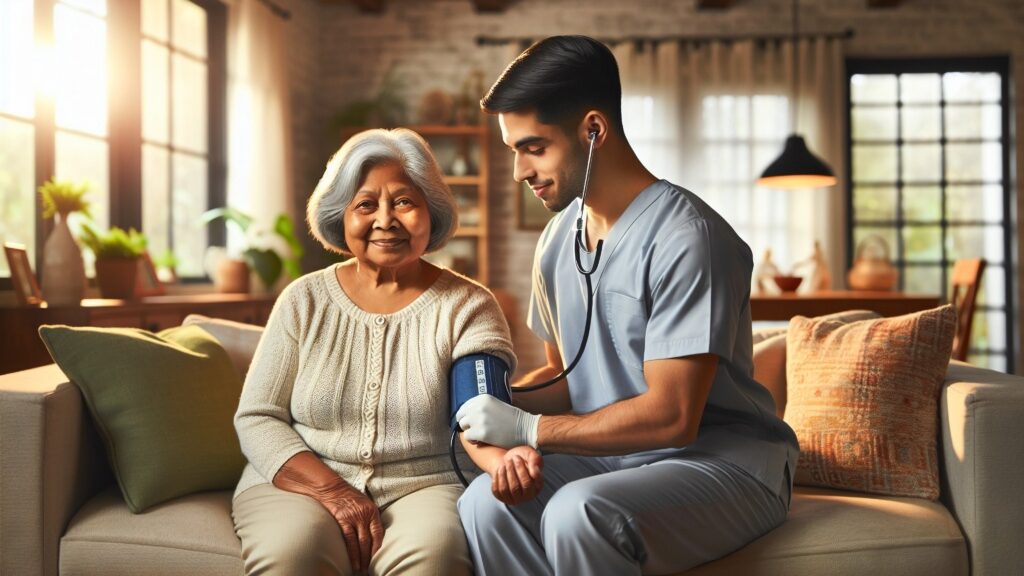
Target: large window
<point>929,173</point>
<point>126,95</point>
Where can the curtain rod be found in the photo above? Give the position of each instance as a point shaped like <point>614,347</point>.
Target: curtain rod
<point>278,11</point>
<point>842,34</point>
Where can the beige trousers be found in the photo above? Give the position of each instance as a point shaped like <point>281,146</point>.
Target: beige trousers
<point>290,534</point>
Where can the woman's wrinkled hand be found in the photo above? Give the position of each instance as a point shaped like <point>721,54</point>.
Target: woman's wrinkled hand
<point>359,519</point>
<point>519,477</point>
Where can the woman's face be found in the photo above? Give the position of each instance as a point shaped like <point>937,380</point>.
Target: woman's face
<point>387,223</point>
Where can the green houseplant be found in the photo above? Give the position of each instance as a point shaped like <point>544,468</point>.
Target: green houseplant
<point>266,253</point>
<point>117,259</point>
<point>63,270</point>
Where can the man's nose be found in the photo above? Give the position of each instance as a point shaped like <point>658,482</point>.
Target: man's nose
<point>521,168</point>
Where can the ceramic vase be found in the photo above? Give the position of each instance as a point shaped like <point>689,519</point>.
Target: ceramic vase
<point>63,269</point>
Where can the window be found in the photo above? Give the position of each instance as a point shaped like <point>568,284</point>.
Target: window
<point>128,95</point>
<point>929,173</point>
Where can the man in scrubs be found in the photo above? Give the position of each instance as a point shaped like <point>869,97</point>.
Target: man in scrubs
<point>660,451</point>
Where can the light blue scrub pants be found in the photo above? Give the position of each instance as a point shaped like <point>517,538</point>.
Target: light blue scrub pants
<point>595,517</point>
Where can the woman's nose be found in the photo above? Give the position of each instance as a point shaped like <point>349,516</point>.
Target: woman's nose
<point>384,217</point>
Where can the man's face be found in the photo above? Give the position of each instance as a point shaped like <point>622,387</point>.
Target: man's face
<point>548,159</point>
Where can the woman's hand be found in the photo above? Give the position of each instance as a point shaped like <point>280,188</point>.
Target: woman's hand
<point>359,519</point>
<point>518,477</point>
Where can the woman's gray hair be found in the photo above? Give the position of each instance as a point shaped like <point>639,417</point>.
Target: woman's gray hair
<point>349,166</point>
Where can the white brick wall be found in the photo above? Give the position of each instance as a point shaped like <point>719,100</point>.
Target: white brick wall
<point>340,55</point>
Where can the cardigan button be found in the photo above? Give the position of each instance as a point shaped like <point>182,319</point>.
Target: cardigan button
<point>379,320</point>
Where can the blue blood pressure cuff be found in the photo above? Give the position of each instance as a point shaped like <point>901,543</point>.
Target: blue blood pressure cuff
<point>478,374</point>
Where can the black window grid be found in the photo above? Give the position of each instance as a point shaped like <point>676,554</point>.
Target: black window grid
<point>898,67</point>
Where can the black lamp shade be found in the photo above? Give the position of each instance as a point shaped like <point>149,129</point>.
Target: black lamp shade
<point>797,167</point>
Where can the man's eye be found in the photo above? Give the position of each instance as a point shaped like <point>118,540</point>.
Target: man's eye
<point>535,151</point>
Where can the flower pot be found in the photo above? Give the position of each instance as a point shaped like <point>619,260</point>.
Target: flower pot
<point>63,269</point>
<point>232,276</point>
<point>116,277</point>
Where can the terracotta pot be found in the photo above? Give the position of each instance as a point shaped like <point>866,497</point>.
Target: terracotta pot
<point>63,269</point>
<point>116,277</point>
<point>232,276</point>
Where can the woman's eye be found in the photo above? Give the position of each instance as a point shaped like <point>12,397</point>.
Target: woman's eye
<point>403,202</point>
<point>364,205</point>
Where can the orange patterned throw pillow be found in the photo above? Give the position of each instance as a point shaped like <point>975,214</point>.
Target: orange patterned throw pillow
<point>863,400</point>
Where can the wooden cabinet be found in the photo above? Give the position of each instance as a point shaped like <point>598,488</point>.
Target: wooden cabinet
<point>461,151</point>
<point>21,347</point>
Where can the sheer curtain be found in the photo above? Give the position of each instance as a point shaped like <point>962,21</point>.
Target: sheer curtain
<point>710,116</point>
<point>259,137</point>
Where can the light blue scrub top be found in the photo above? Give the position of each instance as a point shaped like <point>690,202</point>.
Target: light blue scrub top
<point>673,281</point>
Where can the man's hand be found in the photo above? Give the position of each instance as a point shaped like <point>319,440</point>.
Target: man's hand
<point>486,419</point>
<point>519,477</point>
<point>359,519</point>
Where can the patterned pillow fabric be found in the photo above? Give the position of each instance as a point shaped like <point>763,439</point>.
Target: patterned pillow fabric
<point>863,400</point>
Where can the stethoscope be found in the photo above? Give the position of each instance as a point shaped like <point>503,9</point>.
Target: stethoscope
<point>578,248</point>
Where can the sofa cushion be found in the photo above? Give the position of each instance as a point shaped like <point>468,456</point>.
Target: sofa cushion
<point>237,338</point>
<point>189,535</point>
<point>770,355</point>
<point>846,534</point>
<point>863,400</point>
<point>163,404</point>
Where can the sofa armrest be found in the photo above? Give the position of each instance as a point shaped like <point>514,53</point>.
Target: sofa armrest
<point>51,461</point>
<point>982,423</point>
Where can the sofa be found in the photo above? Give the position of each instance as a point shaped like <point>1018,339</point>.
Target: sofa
<point>62,513</point>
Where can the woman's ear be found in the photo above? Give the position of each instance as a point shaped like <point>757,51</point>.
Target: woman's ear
<point>594,125</point>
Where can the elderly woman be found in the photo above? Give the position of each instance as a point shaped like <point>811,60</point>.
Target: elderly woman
<point>344,413</point>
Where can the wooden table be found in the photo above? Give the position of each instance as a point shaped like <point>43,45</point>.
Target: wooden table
<point>21,347</point>
<point>785,306</point>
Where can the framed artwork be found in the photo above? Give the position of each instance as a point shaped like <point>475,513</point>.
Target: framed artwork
<point>147,283</point>
<point>26,287</point>
<point>530,211</point>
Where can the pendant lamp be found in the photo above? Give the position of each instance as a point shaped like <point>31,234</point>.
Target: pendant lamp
<point>797,166</point>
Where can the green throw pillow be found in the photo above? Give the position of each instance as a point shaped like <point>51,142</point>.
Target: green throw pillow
<point>163,404</point>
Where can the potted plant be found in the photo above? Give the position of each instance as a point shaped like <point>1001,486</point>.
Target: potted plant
<point>63,269</point>
<point>117,259</point>
<point>267,253</point>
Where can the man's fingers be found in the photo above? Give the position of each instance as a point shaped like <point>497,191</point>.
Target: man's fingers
<point>523,474</point>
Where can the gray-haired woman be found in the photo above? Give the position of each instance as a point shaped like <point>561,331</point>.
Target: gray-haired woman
<point>343,417</point>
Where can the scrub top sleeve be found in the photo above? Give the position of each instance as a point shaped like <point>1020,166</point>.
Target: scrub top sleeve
<point>541,315</point>
<point>693,306</point>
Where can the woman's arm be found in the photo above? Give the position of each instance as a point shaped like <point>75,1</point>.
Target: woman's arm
<point>516,474</point>
<point>357,516</point>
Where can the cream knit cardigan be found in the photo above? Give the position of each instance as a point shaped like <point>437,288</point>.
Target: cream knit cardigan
<point>367,393</point>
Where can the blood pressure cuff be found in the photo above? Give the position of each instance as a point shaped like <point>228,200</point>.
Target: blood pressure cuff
<point>477,374</point>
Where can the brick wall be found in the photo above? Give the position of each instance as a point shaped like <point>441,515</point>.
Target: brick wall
<point>340,55</point>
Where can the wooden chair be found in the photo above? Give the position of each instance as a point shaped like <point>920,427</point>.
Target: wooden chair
<point>966,279</point>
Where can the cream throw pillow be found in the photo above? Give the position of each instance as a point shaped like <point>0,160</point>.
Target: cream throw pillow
<point>863,400</point>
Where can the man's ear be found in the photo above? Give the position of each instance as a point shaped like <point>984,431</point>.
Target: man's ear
<point>595,124</point>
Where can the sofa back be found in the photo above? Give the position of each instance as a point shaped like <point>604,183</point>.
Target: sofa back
<point>238,339</point>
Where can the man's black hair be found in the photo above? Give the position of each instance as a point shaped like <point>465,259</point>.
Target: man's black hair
<point>560,77</point>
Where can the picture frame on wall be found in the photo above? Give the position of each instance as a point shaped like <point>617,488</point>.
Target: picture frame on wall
<point>530,211</point>
<point>147,283</point>
<point>26,287</point>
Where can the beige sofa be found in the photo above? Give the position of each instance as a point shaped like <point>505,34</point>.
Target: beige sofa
<point>60,513</point>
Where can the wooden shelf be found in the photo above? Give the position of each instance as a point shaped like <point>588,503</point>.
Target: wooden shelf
<point>470,232</point>
<point>474,180</point>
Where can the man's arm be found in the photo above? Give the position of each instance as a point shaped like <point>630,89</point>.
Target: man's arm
<point>666,416</point>
<point>551,400</point>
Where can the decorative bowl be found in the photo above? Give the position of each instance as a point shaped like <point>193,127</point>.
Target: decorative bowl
<point>788,283</point>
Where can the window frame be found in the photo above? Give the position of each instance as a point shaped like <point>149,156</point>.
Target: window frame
<point>897,66</point>
<point>124,121</point>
